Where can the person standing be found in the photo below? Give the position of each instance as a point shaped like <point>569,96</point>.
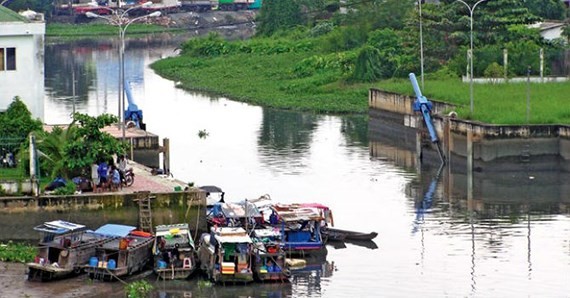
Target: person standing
<point>103,172</point>
<point>115,178</point>
<point>94,176</point>
<point>122,164</point>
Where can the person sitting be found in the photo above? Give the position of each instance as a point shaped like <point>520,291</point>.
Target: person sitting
<point>175,254</point>
<point>55,183</point>
<point>115,178</point>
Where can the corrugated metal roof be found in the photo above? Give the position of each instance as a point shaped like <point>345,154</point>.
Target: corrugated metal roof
<point>115,230</point>
<point>59,227</point>
<point>8,16</point>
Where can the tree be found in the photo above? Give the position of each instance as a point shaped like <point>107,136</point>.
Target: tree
<point>17,121</point>
<point>547,9</point>
<point>276,15</point>
<point>87,143</point>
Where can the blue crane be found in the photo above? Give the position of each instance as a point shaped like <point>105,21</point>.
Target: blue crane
<point>423,105</point>
<point>133,114</point>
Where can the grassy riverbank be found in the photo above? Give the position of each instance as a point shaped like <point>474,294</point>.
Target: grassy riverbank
<point>496,103</point>
<point>266,80</point>
<point>98,29</point>
<point>271,80</point>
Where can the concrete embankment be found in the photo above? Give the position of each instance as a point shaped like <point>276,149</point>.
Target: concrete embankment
<point>492,166</point>
<point>171,203</point>
<point>483,145</point>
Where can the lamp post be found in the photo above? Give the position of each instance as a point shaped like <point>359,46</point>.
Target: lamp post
<point>421,43</point>
<point>471,10</point>
<point>120,18</point>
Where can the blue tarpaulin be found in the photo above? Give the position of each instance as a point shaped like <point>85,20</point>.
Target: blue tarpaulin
<point>115,230</point>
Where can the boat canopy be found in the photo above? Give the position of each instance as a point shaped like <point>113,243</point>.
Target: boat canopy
<point>231,235</point>
<point>233,210</point>
<point>59,227</point>
<point>296,212</point>
<point>175,229</point>
<point>115,230</point>
<point>268,233</point>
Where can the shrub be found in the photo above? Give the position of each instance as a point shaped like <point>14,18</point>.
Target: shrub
<point>138,289</point>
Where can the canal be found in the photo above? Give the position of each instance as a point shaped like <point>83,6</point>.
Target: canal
<point>432,241</point>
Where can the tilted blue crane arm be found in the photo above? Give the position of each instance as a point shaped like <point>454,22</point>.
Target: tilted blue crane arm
<point>423,105</point>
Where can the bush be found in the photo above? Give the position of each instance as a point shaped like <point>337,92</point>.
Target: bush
<point>138,289</point>
<point>494,71</point>
<point>17,252</point>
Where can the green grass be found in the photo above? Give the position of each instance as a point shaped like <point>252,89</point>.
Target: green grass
<point>84,30</point>
<point>270,80</point>
<point>266,80</point>
<point>12,173</point>
<point>17,252</point>
<point>497,103</point>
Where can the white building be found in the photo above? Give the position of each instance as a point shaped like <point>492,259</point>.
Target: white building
<point>22,60</point>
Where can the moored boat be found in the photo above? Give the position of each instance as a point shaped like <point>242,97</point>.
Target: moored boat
<point>128,252</point>
<point>174,252</point>
<point>300,228</point>
<point>338,234</point>
<point>225,255</point>
<point>269,256</point>
<point>63,249</point>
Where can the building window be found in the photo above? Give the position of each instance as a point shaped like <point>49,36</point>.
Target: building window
<point>7,59</point>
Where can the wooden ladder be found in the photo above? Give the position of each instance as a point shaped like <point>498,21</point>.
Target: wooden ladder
<point>145,212</point>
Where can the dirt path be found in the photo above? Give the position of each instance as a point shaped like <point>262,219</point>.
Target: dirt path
<point>14,283</point>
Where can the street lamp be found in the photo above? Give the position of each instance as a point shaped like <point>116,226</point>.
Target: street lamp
<point>471,9</point>
<point>120,18</point>
<point>421,43</point>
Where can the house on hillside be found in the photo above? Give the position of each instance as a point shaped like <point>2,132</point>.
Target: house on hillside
<point>22,60</point>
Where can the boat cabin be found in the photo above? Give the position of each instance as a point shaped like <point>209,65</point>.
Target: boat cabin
<point>63,248</point>
<point>225,255</point>
<point>174,252</point>
<point>128,252</point>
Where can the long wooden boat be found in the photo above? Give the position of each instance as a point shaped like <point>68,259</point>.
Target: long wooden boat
<point>340,235</point>
<point>174,252</point>
<point>269,256</point>
<point>225,255</point>
<point>128,252</point>
<point>63,249</point>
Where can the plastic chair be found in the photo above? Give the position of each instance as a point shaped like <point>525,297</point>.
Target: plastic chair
<point>187,263</point>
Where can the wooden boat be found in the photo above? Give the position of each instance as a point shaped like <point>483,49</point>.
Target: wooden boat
<point>300,228</point>
<point>63,249</point>
<point>340,235</point>
<point>174,252</point>
<point>225,255</point>
<point>269,256</point>
<point>128,252</point>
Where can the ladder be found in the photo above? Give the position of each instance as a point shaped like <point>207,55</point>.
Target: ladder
<point>145,213</point>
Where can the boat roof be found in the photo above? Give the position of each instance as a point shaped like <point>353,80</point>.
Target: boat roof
<point>163,230</point>
<point>115,230</point>
<point>237,210</point>
<point>297,212</point>
<point>267,232</point>
<point>231,235</point>
<point>59,227</point>
<point>210,188</point>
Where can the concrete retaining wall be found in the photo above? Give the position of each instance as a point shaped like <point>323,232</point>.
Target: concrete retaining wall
<point>392,115</point>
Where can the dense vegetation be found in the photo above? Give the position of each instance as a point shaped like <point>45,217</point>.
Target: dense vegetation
<point>309,56</point>
<point>17,252</point>
<point>67,151</point>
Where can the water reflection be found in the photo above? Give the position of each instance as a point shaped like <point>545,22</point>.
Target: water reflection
<point>499,220</point>
<point>286,135</point>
